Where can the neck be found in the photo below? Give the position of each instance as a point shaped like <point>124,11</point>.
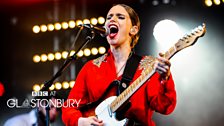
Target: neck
<point>120,53</point>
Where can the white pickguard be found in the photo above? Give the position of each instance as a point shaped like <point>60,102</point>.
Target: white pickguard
<point>104,113</point>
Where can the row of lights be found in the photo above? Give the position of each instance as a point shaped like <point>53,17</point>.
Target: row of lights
<point>65,25</point>
<point>209,3</point>
<point>55,86</point>
<point>64,54</point>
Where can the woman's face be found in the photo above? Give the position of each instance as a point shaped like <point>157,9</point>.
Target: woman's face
<point>119,23</point>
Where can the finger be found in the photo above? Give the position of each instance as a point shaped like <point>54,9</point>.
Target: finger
<point>161,70</point>
<point>96,124</point>
<point>96,119</point>
<point>161,54</point>
<point>164,60</point>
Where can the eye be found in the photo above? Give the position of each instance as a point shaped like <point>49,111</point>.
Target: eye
<point>121,17</point>
<point>109,17</point>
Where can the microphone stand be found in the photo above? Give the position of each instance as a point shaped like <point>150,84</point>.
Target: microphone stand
<point>67,62</point>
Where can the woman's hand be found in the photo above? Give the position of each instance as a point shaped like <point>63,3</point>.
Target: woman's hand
<point>90,121</point>
<point>162,66</point>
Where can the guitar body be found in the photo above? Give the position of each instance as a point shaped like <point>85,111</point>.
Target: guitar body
<point>104,113</point>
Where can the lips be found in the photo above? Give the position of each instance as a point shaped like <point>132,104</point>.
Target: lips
<point>113,30</point>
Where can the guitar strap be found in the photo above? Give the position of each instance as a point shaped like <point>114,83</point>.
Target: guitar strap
<point>129,72</point>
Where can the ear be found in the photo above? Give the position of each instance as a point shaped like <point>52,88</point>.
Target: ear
<point>134,30</point>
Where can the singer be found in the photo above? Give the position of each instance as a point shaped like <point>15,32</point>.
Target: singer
<point>112,73</point>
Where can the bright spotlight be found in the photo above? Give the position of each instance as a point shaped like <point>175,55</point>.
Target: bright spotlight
<point>50,56</point>
<point>71,24</point>
<point>71,84</point>
<point>86,21</point>
<point>43,57</point>
<point>65,85</point>
<point>208,3</point>
<point>79,22</point>
<point>93,21</point>
<point>51,87</point>
<point>50,27</point>
<point>166,32</point>
<point>64,25</point>
<point>94,51</point>
<point>57,26</point>
<point>36,58</point>
<point>36,87</point>
<point>72,53</point>
<point>58,85</point>
<point>101,20</point>
<point>87,52</point>
<point>80,53</point>
<point>57,55</point>
<point>64,54</point>
<point>43,28</point>
<point>217,2</point>
<point>102,50</point>
<point>36,29</point>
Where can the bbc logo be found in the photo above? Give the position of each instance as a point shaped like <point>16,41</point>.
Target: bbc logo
<point>39,93</point>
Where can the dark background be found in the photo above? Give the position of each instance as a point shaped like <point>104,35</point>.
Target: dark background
<point>197,71</point>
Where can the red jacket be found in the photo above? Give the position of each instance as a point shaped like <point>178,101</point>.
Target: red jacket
<point>94,79</point>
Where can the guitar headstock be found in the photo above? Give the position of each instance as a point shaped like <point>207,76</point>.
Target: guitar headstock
<point>191,38</point>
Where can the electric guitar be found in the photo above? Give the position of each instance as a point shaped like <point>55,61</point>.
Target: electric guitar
<point>106,110</point>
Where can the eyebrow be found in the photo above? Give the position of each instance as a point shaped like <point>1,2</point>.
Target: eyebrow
<point>117,14</point>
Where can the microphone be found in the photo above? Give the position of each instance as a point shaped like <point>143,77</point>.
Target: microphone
<point>103,31</point>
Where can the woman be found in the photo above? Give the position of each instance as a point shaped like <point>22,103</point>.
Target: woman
<point>157,94</point>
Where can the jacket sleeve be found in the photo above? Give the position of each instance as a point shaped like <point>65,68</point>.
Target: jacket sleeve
<point>161,94</point>
<point>70,112</point>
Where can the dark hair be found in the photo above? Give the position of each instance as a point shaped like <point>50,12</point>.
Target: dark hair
<point>134,20</point>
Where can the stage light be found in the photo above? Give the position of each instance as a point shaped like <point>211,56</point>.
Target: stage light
<point>93,21</point>
<point>65,85</point>
<point>36,87</point>
<point>94,51</point>
<point>86,21</point>
<point>43,57</point>
<point>57,26</point>
<point>155,2</point>
<point>217,2</point>
<point>87,52</point>
<point>43,28</point>
<point>71,84</point>
<point>36,29</point>
<point>80,53</point>
<point>41,85</point>
<point>57,55</point>
<point>208,3</point>
<point>64,54</point>
<point>50,56</point>
<point>71,24</point>
<point>36,58</point>
<point>72,53</point>
<point>101,20</point>
<point>166,1</point>
<point>64,25</point>
<point>50,27</point>
<point>79,22</point>
<point>166,32</point>
<point>58,85</point>
<point>52,87</point>
<point>102,50</point>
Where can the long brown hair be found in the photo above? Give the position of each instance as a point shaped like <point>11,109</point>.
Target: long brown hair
<point>134,20</point>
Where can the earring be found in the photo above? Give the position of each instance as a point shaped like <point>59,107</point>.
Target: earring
<point>132,30</point>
